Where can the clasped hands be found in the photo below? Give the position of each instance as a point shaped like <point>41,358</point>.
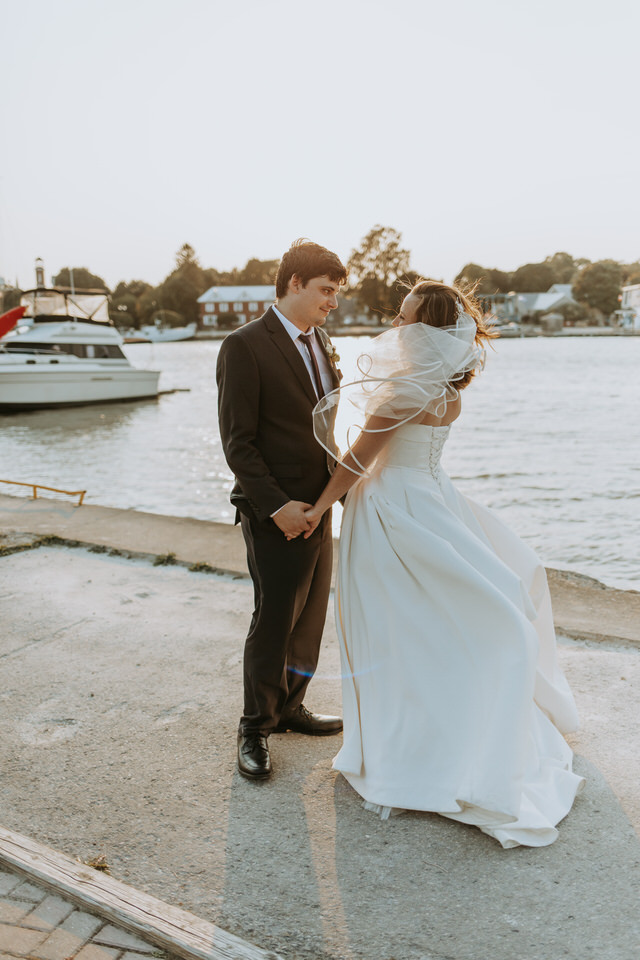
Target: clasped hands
<point>297,517</point>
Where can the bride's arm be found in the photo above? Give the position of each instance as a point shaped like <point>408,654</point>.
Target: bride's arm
<point>366,448</point>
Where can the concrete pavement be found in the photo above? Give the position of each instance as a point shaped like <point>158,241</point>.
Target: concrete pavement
<point>121,691</point>
<point>583,607</point>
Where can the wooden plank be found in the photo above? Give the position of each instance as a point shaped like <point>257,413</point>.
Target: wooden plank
<point>175,930</point>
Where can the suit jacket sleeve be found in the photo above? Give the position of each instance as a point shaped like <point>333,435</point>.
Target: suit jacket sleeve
<point>238,377</point>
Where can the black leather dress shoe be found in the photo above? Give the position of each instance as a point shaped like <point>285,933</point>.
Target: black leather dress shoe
<point>302,720</point>
<point>254,761</point>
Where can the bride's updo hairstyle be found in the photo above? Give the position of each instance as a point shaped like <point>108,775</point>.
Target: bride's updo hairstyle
<point>441,305</point>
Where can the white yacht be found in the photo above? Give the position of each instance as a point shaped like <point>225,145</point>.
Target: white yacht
<point>65,351</point>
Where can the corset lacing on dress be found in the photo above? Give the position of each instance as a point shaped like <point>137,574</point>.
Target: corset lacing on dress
<point>417,446</point>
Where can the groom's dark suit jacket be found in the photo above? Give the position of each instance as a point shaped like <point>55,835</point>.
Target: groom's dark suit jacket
<point>265,400</point>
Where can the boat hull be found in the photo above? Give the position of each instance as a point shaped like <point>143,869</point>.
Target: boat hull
<point>168,334</point>
<point>26,388</point>
<point>70,354</point>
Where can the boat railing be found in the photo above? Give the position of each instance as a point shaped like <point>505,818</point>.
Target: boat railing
<point>40,486</point>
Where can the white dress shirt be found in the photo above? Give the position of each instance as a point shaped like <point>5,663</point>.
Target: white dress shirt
<point>320,355</point>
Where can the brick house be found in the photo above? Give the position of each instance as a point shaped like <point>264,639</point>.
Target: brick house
<point>246,303</point>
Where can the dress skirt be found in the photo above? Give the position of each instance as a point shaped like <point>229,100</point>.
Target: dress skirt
<point>454,701</point>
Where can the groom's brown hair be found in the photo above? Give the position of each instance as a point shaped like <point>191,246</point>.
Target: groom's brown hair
<point>307,260</point>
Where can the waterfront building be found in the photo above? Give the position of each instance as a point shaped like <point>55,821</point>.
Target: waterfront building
<point>629,309</point>
<point>516,307</point>
<point>231,306</point>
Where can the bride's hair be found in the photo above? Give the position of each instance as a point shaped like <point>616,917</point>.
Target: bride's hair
<point>440,306</point>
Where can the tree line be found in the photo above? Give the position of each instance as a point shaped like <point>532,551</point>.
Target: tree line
<point>379,268</point>
<point>134,303</point>
<point>595,285</point>
<point>174,302</point>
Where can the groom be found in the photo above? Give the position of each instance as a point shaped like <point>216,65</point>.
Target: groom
<point>270,375</point>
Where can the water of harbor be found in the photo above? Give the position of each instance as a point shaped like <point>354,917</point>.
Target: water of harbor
<point>549,438</point>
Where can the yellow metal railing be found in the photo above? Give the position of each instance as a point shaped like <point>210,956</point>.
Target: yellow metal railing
<point>40,486</point>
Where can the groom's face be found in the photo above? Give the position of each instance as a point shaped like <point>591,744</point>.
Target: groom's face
<point>315,301</point>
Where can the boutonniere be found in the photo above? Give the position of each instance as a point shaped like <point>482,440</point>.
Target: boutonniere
<point>329,349</point>
<point>332,353</point>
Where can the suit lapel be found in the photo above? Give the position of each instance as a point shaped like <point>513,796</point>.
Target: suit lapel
<point>290,352</point>
<point>325,343</point>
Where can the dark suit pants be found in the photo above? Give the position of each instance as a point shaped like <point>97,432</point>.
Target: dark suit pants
<point>291,580</point>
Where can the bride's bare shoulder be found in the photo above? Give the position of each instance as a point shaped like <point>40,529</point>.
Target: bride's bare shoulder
<point>453,411</point>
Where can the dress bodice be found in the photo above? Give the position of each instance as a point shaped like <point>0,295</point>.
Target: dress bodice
<point>417,446</point>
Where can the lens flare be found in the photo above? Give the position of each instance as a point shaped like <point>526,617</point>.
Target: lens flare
<point>333,676</point>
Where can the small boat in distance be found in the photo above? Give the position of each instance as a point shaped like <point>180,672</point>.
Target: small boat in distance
<point>65,351</point>
<point>157,333</point>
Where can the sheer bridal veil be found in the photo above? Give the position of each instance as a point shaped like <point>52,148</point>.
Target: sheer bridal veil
<point>405,372</point>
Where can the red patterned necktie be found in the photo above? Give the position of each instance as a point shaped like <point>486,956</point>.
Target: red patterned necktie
<point>307,339</point>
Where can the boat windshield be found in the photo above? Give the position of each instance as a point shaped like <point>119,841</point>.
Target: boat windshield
<point>56,304</point>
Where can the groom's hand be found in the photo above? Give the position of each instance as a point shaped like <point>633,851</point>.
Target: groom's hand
<point>291,519</point>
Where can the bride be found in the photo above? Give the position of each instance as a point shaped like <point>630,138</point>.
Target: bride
<point>454,701</point>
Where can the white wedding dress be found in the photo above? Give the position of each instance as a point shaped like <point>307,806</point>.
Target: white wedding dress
<point>453,698</point>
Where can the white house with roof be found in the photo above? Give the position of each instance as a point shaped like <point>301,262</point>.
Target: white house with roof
<point>629,309</point>
<point>559,295</point>
<point>556,296</point>
<point>514,306</point>
<point>246,303</point>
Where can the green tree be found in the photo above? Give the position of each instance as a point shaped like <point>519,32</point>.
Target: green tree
<point>188,268</point>
<point>563,266</point>
<point>133,287</point>
<point>258,272</point>
<point>488,279</point>
<point>598,285</point>
<point>180,293</point>
<point>631,273</point>
<point>122,310</point>
<point>186,255</point>
<point>9,298</point>
<point>533,278</point>
<point>180,290</point>
<point>500,280</point>
<point>377,267</point>
<point>167,318</point>
<point>573,312</point>
<point>83,279</point>
<point>220,278</point>
<point>146,304</point>
<point>471,274</point>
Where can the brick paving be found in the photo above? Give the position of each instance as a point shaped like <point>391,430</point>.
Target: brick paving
<point>35,924</point>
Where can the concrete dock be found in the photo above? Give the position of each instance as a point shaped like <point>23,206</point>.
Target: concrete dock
<point>121,661</point>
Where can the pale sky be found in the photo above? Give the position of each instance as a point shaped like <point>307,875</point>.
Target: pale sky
<point>498,131</point>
